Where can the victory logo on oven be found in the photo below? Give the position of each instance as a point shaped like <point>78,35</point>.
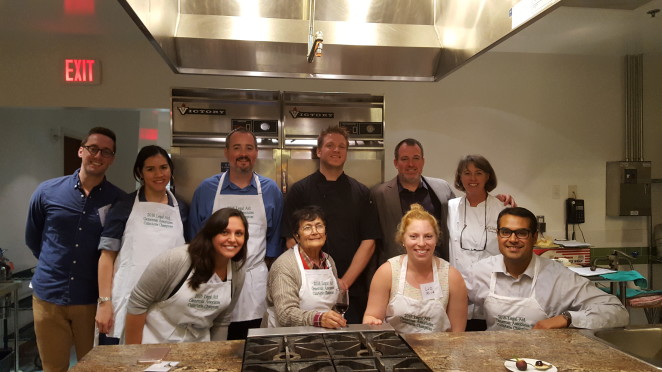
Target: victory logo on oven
<point>304,114</point>
<point>184,110</point>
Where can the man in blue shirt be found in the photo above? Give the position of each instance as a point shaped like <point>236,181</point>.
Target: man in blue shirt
<point>261,201</point>
<point>65,220</point>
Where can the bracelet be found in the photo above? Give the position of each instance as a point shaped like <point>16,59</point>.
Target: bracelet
<point>103,299</point>
<point>567,316</point>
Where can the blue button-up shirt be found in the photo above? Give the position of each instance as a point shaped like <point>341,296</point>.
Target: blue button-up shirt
<point>203,202</point>
<point>63,231</point>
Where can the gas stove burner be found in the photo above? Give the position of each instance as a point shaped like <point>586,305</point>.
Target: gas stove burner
<point>267,367</point>
<point>264,349</point>
<point>316,366</point>
<point>282,356</point>
<point>345,345</point>
<point>350,365</point>
<point>365,351</point>
<point>410,364</point>
<point>389,345</point>
<point>307,347</point>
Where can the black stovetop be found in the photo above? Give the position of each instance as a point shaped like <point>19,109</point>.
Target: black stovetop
<point>366,351</point>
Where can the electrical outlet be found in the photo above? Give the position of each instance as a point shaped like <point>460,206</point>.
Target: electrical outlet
<point>572,191</point>
<point>556,191</point>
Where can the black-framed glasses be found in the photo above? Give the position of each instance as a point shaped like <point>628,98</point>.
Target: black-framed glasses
<point>506,233</point>
<point>319,228</point>
<point>472,249</point>
<point>94,150</point>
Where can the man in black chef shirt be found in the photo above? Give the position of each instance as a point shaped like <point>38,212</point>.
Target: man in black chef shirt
<point>352,226</point>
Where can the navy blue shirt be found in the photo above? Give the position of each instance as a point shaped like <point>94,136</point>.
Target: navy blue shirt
<point>63,231</point>
<point>113,229</point>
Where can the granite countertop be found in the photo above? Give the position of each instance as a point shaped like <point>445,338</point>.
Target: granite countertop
<point>192,356</point>
<point>567,349</point>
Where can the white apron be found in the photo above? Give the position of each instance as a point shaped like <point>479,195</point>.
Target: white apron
<point>252,301</point>
<point>516,313</point>
<point>319,290</point>
<point>152,228</point>
<point>474,234</point>
<point>408,315</point>
<point>188,315</point>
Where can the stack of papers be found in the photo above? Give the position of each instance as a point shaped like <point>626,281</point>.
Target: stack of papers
<point>571,244</point>
<point>586,271</point>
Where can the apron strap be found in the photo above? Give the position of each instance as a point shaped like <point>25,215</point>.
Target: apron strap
<point>181,282</point>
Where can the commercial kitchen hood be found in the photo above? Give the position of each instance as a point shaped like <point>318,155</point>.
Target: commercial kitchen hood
<point>407,40</point>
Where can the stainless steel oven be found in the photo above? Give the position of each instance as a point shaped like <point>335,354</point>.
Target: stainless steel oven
<point>286,125</point>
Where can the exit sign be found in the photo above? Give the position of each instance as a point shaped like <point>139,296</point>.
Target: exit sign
<point>82,71</point>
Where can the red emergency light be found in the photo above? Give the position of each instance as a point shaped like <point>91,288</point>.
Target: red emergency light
<point>149,134</point>
<point>82,71</point>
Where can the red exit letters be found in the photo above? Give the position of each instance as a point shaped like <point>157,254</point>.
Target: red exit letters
<point>85,71</point>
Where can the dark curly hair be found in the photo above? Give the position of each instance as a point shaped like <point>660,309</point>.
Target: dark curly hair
<point>201,249</point>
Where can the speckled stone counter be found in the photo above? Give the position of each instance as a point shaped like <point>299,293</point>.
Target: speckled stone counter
<point>568,350</point>
<point>200,356</point>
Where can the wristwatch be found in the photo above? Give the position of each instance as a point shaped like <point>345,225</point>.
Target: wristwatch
<point>103,299</point>
<point>567,316</point>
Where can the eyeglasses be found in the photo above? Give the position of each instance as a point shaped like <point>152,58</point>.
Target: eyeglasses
<point>319,228</point>
<point>520,234</point>
<point>472,249</point>
<point>94,150</point>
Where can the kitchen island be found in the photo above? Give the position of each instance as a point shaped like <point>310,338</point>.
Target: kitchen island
<point>567,349</point>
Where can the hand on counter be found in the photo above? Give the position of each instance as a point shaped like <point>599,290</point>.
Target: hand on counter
<point>554,322</point>
<point>367,319</point>
<point>332,319</point>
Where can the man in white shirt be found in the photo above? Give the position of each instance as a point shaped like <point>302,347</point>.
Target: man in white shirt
<point>519,290</point>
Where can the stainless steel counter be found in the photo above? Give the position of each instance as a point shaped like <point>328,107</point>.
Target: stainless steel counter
<point>261,332</point>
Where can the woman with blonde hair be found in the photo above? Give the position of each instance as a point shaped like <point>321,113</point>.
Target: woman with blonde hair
<point>418,292</point>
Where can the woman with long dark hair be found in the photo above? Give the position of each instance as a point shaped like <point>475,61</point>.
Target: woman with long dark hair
<point>188,293</point>
<point>139,227</point>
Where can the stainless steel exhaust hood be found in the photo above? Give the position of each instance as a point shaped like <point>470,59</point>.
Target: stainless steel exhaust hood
<point>408,40</point>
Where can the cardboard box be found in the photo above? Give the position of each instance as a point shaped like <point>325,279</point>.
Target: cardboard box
<point>577,256</point>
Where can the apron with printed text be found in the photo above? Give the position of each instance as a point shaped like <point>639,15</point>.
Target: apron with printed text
<point>188,315</point>
<point>408,315</point>
<point>319,289</point>
<point>515,313</point>
<point>151,229</point>
<point>252,301</point>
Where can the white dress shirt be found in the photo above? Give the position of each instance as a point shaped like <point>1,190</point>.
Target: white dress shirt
<point>557,289</point>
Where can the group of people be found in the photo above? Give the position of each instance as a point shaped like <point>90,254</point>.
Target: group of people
<point>410,253</point>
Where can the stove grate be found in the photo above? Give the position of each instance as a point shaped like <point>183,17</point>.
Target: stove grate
<point>336,352</point>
